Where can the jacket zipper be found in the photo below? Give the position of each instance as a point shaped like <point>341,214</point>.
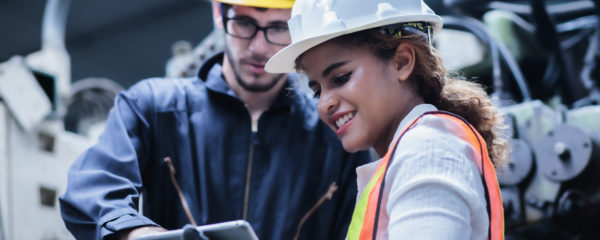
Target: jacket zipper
<point>248,173</point>
<point>327,196</point>
<point>253,131</point>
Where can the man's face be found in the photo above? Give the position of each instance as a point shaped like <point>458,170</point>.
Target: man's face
<point>247,57</point>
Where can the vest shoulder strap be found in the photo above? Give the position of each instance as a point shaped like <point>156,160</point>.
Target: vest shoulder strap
<point>366,213</point>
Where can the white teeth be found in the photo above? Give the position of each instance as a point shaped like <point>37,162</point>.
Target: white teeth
<point>342,120</point>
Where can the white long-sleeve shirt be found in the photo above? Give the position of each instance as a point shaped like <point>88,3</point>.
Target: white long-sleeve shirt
<point>433,188</point>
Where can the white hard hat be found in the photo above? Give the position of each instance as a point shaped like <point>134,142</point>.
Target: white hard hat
<point>316,21</point>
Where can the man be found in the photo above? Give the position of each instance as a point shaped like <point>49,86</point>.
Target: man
<point>242,144</point>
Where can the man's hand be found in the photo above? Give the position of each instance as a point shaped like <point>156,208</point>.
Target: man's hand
<point>130,234</point>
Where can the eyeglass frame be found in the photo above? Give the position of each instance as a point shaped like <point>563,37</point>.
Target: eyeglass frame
<point>257,28</point>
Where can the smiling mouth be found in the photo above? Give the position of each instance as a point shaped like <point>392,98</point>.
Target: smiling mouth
<point>343,119</point>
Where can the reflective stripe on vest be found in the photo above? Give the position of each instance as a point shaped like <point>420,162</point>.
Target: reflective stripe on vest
<point>366,213</point>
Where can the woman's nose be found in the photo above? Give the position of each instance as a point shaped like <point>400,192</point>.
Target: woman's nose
<point>328,103</point>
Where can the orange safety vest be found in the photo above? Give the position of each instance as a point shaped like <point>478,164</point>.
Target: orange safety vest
<point>366,212</point>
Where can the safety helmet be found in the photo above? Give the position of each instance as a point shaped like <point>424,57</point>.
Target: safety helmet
<point>316,21</point>
<point>261,3</point>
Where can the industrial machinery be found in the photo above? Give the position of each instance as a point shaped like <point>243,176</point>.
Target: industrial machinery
<point>541,64</point>
<point>35,149</point>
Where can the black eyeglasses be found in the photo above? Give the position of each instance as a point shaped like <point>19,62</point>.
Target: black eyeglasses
<point>245,29</point>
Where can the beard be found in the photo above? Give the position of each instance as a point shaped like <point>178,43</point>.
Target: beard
<point>244,83</point>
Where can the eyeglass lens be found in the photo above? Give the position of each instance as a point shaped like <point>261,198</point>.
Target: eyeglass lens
<point>246,29</point>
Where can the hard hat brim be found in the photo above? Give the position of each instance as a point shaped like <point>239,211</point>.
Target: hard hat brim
<point>284,61</point>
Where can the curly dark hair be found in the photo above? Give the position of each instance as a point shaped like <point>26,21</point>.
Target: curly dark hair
<point>437,87</point>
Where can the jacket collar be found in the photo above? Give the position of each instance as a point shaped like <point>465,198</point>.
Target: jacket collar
<point>211,72</point>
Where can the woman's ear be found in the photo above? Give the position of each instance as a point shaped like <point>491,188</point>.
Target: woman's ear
<point>217,15</point>
<point>404,59</point>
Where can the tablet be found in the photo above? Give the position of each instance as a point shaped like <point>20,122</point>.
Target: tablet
<point>238,230</point>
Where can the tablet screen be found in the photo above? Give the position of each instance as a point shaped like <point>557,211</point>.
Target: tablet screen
<point>238,230</point>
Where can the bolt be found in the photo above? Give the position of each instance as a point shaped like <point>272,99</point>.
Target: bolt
<point>562,151</point>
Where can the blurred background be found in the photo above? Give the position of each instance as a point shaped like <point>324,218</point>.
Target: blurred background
<point>62,62</point>
<point>124,41</point>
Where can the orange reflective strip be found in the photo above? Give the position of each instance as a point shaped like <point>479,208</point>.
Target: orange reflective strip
<point>363,220</point>
<point>356,229</point>
<point>489,175</point>
<point>367,229</point>
<point>366,232</point>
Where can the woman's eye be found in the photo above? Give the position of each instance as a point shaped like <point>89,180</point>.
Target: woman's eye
<point>317,93</point>
<point>341,79</point>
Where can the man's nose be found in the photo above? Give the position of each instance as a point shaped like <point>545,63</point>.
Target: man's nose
<point>259,44</point>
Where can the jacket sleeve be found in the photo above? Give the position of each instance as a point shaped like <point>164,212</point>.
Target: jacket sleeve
<point>104,184</point>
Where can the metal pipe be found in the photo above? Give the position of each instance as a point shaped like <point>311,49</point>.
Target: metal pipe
<point>54,23</point>
<point>497,49</point>
<point>1,224</point>
<point>554,9</point>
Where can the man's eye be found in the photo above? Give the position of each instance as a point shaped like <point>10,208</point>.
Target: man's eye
<point>242,23</point>
<point>341,79</point>
<point>279,29</point>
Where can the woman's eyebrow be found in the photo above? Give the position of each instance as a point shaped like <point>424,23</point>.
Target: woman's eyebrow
<point>333,67</point>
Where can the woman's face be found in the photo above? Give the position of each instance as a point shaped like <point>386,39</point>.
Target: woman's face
<point>361,97</point>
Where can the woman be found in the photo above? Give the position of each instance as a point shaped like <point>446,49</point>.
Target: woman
<point>380,84</point>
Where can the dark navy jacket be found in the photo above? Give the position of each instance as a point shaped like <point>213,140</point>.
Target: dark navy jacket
<point>206,131</point>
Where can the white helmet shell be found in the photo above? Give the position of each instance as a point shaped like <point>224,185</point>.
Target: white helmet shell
<point>316,21</point>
